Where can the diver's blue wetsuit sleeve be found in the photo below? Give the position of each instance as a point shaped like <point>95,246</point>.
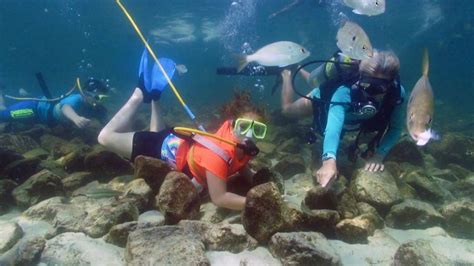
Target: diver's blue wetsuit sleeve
<point>335,122</point>
<point>397,121</point>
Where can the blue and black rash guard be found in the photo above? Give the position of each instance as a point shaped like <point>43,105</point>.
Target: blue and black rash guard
<point>339,115</point>
<point>76,101</point>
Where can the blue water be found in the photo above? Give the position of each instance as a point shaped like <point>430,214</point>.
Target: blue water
<point>65,38</point>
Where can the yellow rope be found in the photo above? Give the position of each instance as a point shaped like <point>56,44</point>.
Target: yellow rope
<point>151,52</point>
<point>192,131</point>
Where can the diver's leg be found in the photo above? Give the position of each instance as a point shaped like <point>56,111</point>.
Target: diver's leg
<point>115,135</point>
<point>25,111</point>
<point>296,109</point>
<point>156,121</point>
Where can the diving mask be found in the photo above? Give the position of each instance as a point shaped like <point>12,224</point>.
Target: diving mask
<point>374,86</point>
<point>242,126</point>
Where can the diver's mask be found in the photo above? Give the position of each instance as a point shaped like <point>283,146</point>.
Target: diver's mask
<point>374,86</point>
<point>369,92</point>
<point>95,98</point>
<point>250,128</point>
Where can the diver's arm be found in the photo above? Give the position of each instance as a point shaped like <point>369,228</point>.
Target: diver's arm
<point>296,109</point>
<point>219,195</point>
<point>70,114</point>
<point>397,122</point>
<point>305,75</point>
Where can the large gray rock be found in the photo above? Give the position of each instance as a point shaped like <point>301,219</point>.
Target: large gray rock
<point>418,252</point>
<point>27,251</point>
<point>76,180</point>
<point>355,230</point>
<point>320,198</point>
<point>6,188</point>
<point>221,236</point>
<point>426,188</point>
<point>463,188</point>
<point>8,156</point>
<point>139,193</point>
<point>106,164</point>
<point>323,221</point>
<point>459,217</point>
<point>79,249</point>
<point>152,170</point>
<point>265,213</point>
<point>164,245</point>
<point>303,248</point>
<point>18,143</point>
<point>453,148</point>
<point>178,199</point>
<point>22,169</point>
<point>10,234</point>
<point>94,217</point>
<point>413,214</point>
<point>38,187</point>
<point>406,151</point>
<point>378,189</point>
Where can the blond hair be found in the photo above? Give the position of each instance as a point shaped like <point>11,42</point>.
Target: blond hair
<point>384,63</point>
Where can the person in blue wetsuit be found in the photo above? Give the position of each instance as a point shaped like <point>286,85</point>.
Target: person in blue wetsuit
<point>76,108</point>
<point>371,102</point>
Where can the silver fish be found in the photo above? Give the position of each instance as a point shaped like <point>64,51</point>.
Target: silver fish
<point>366,7</point>
<point>354,42</point>
<point>101,193</point>
<point>281,54</point>
<point>420,108</point>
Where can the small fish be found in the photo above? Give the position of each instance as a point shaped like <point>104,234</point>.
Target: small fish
<point>101,193</point>
<point>22,92</point>
<point>353,41</point>
<point>279,54</point>
<point>182,69</point>
<point>420,108</point>
<point>366,7</point>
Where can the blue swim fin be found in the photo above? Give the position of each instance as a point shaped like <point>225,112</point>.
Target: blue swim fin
<point>151,80</point>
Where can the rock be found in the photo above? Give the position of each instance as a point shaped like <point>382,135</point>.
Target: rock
<point>178,199</point>
<point>27,251</point>
<point>18,143</point>
<point>266,147</point>
<point>303,248</point>
<point>164,245</point>
<point>371,213</point>
<point>106,164</point>
<point>38,187</point>
<point>221,236</point>
<point>418,252</point>
<point>445,174</point>
<point>320,198</point>
<point>94,217</point>
<point>413,214</point>
<point>426,188</point>
<point>347,205</point>
<point>213,214</point>
<point>152,170</point>
<point>406,151</point>
<point>323,221</point>
<point>453,148</point>
<point>7,157</point>
<point>153,217</point>
<point>79,249</point>
<point>266,175</point>
<point>6,188</point>
<point>38,153</point>
<point>11,233</point>
<point>265,213</point>
<point>139,193</point>
<point>459,171</point>
<point>463,188</point>
<point>459,217</point>
<point>375,188</point>
<point>118,234</point>
<point>355,230</point>
<point>76,180</point>
<point>292,146</point>
<point>290,165</point>
<point>73,161</point>
<point>54,167</point>
<point>21,170</point>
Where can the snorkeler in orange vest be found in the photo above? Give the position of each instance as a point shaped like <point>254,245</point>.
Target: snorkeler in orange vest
<point>208,161</point>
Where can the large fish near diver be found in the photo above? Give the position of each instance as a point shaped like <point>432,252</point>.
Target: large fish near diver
<point>281,54</point>
<point>420,108</point>
<point>366,7</point>
<point>353,41</point>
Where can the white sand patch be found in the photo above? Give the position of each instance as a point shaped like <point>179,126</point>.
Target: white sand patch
<point>258,257</point>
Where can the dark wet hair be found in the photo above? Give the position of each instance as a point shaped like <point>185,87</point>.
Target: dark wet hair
<point>240,105</point>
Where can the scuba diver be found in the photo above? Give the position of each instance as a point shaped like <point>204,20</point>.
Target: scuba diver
<point>351,95</point>
<point>71,107</point>
<point>208,161</point>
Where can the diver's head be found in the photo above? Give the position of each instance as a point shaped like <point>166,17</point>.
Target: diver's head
<point>95,91</point>
<point>378,74</point>
<point>247,129</point>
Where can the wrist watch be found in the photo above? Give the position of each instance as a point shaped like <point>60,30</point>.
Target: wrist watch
<point>326,156</point>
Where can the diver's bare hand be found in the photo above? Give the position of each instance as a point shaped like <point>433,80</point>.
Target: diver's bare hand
<point>182,69</point>
<point>286,74</point>
<point>327,172</point>
<point>82,122</point>
<point>375,164</point>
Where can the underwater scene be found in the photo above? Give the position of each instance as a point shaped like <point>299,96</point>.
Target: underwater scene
<point>237,132</point>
